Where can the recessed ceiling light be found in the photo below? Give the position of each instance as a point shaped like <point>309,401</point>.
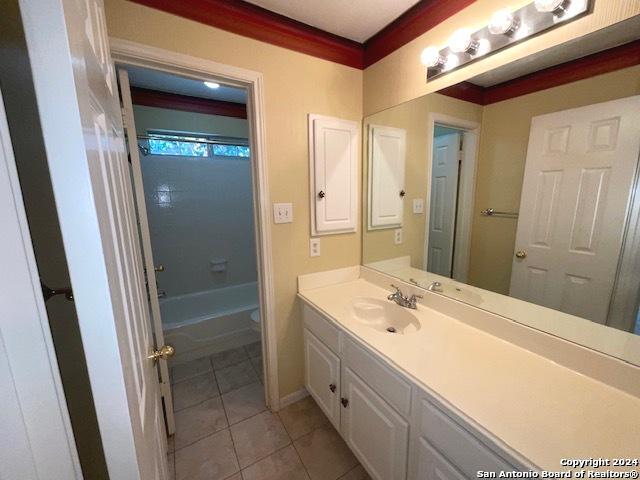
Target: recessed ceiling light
<point>212,84</point>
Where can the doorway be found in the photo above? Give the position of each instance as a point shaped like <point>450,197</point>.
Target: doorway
<point>451,160</point>
<point>193,176</point>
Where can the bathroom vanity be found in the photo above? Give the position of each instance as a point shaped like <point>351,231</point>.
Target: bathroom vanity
<point>447,390</point>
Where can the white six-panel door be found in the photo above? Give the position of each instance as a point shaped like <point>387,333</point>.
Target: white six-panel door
<point>387,157</point>
<point>333,156</point>
<point>81,122</point>
<point>443,205</point>
<point>577,185</point>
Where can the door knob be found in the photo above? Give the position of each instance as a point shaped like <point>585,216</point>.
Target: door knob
<point>159,268</point>
<point>321,194</point>
<point>521,254</point>
<point>164,353</point>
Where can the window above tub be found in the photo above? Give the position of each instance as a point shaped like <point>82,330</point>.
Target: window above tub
<point>196,145</point>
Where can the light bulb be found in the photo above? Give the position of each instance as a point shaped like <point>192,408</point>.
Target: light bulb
<point>551,6</point>
<point>213,85</point>
<point>502,22</point>
<point>431,57</point>
<point>462,42</point>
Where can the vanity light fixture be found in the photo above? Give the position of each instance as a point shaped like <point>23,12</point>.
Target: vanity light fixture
<point>552,6</point>
<point>212,85</point>
<point>462,42</point>
<point>503,22</point>
<point>431,58</point>
<point>506,27</point>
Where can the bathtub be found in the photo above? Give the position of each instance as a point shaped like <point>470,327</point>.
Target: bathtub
<point>203,323</point>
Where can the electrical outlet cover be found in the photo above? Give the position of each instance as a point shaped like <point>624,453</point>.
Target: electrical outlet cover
<point>314,247</point>
<point>418,205</point>
<point>397,236</point>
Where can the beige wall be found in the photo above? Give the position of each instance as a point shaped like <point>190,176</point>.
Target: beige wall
<point>295,85</point>
<point>413,117</point>
<point>503,152</point>
<point>400,76</point>
<point>152,118</point>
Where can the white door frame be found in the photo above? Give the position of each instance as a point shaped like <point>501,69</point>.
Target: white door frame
<point>471,139</point>
<point>37,441</point>
<point>132,53</point>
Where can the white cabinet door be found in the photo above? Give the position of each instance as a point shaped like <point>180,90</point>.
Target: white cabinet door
<point>387,153</point>
<point>577,183</point>
<point>432,465</point>
<point>322,376</point>
<point>443,204</point>
<point>374,431</point>
<point>333,153</point>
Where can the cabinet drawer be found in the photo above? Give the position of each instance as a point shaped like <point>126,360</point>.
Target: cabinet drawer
<point>322,328</point>
<point>389,385</point>
<point>432,465</point>
<point>458,445</point>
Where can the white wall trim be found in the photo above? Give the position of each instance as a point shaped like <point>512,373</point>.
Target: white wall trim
<point>293,397</point>
<point>466,197</point>
<point>132,53</point>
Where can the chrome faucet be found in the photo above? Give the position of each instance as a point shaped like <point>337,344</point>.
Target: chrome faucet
<point>402,300</point>
<point>435,287</point>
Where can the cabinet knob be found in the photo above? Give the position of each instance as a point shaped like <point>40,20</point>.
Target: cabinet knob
<point>402,193</point>
<point>321,194</point>
<point>344,402</point>
<point>332,387</point>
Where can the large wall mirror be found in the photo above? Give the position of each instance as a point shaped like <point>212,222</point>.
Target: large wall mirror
<point>517,191</point>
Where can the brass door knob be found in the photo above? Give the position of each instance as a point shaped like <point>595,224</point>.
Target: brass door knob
<point>164,353</point>
<point>521,254</point>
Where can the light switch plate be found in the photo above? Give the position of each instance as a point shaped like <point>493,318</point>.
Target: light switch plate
<point>282,212</point>
<point>418,205</point>
<point>397,236</point>
<point>314,247</point>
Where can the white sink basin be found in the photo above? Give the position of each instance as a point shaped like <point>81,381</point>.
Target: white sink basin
<point>383,315</point>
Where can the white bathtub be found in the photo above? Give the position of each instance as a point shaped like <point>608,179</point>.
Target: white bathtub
<point>202,323</point>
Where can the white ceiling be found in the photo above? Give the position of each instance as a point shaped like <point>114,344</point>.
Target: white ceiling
<point>358,20</point>
<point>165,82</point>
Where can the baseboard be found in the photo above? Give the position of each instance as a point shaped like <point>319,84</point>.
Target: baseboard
<point>293,397</point>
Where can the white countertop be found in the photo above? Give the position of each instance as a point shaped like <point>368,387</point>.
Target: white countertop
<point>540,409</point>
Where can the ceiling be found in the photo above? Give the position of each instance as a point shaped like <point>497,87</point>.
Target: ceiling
<point>357,20</point>
<point>166,82</point>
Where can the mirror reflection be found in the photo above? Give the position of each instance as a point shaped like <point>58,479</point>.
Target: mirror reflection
<point>499,189</point>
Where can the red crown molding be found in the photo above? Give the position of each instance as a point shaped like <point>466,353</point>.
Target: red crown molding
<point>420,18</point>
<point>255,22</point>
<point>617,58</point>
<point>172,101</point>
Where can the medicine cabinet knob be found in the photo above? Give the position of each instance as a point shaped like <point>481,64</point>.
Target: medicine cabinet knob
<point>321,194</point>
<point>402,193</point>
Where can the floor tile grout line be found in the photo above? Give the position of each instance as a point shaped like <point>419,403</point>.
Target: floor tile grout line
<point>233,443</point>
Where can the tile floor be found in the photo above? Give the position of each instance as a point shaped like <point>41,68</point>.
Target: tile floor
<point>225,432</point>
